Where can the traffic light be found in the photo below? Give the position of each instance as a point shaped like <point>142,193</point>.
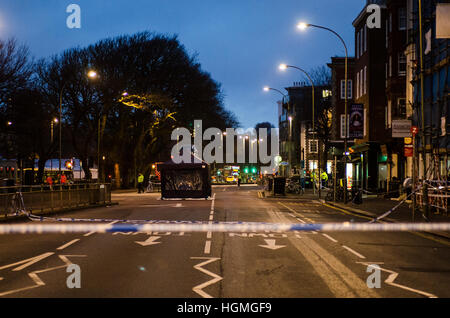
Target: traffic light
<point>69,165</point>
<point>245,170</point>
<point>253,169</point>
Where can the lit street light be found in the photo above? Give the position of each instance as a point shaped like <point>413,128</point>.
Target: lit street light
<point>284,67</point>
<point>303,26</point>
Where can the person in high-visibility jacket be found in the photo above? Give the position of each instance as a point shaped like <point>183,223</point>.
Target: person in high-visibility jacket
<point>140,183</point>
<point>324,178</point>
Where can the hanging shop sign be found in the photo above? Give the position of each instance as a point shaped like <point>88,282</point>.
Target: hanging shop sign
<point>401,128</point>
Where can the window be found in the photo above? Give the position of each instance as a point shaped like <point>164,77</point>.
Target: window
<point>357,85</point>
<point>313,146</point>
<point>357,45</point>
<point>401,106</point>
<point>365,37</point>
<point>361,42</point>
<point>390,22</point>
<point>402,21</point>
<point>390,65</point>
<point>361,82</point>
<point>388,114</point>
<point>343,125</point>
<point>312,165</point>
<point>365,80</point>
<point>402,64</point>
<point>349,89</point>
<point>387,33</point>
<point>386,74</point>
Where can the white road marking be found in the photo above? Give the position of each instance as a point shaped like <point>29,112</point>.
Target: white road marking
<point>300,220</point>
<point>37,280</point>
<point>353,252</point>
<point>329,237</point>
<point>28,262</point>
<point>393,275</point>
<point>341,281</point>
<point>207,249</point>
<point>271,245</point>
<point>67,244</point>
<point>90,233</point>
<point>150,241</point>
<point>216,278</point>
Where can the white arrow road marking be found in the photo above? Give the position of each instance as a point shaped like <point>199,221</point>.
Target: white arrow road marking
<point>216,278</point>
<point>37,280</point>
<point>150,241</point>
<point>393,275</point>
<point>270,244</point>
<point>28,262</point>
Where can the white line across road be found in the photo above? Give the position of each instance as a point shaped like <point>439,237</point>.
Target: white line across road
<point>68,244</point>
<point>329,237</point>
<point>353,252</point>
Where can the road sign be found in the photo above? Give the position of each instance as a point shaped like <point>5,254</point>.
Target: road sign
<point>401,128</point>
<point>414,130</point>
<point>409,151</point>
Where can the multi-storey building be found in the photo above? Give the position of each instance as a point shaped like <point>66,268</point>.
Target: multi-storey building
<point>298,143</point>
<point>336,150</point>
<point>370,153</point>
<point>433,138</point>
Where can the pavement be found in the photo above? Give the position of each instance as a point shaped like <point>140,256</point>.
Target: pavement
<point>225,265</point>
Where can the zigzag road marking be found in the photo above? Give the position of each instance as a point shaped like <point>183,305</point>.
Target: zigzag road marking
<point>34,275</point>
<point>393,276</point>
<point>216,278</point>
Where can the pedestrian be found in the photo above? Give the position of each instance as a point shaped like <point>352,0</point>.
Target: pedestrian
<point>324,178</point>
<point>302,178</point>
<point>49,181</point>
<point>140,183</point>
<point>239,181</point>
<point>63,179</point>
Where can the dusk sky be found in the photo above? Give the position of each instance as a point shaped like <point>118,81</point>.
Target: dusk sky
<point>239,42</point>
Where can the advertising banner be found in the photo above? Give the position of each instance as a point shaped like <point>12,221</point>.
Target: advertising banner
<point>356,121</point>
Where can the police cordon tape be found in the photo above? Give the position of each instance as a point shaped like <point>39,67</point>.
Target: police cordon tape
<point>237,227</point>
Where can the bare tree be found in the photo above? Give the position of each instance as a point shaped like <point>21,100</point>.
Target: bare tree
<point>321,75</point>
<point>15,68</point>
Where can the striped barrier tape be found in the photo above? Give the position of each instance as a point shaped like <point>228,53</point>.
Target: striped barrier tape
<point>34,228</point>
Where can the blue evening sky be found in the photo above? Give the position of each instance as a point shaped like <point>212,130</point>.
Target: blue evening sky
<point>240,42</point>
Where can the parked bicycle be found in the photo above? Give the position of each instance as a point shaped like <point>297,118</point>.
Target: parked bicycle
<point>339,195</point>
<point>294,187</point>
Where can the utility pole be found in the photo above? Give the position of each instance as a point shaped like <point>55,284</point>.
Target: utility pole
<point>424,161</point>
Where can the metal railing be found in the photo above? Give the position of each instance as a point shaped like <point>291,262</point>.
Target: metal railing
<point>45,198</point>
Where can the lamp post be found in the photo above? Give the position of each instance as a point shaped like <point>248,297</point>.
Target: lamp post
<point>266,89</point>
<point>284,67</point>
<point>304,26</point>
<point>60,126</point>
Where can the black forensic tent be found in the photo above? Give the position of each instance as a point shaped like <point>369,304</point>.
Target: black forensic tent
<point>185,180</point>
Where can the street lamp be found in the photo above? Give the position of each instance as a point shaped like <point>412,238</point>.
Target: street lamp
<point>54,121</point>
<point>284,67</point>
<point>92,74</point>
<point>304,26</point>
<point>266,89</point>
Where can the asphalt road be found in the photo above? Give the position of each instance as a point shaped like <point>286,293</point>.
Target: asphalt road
<point>222,265</point>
